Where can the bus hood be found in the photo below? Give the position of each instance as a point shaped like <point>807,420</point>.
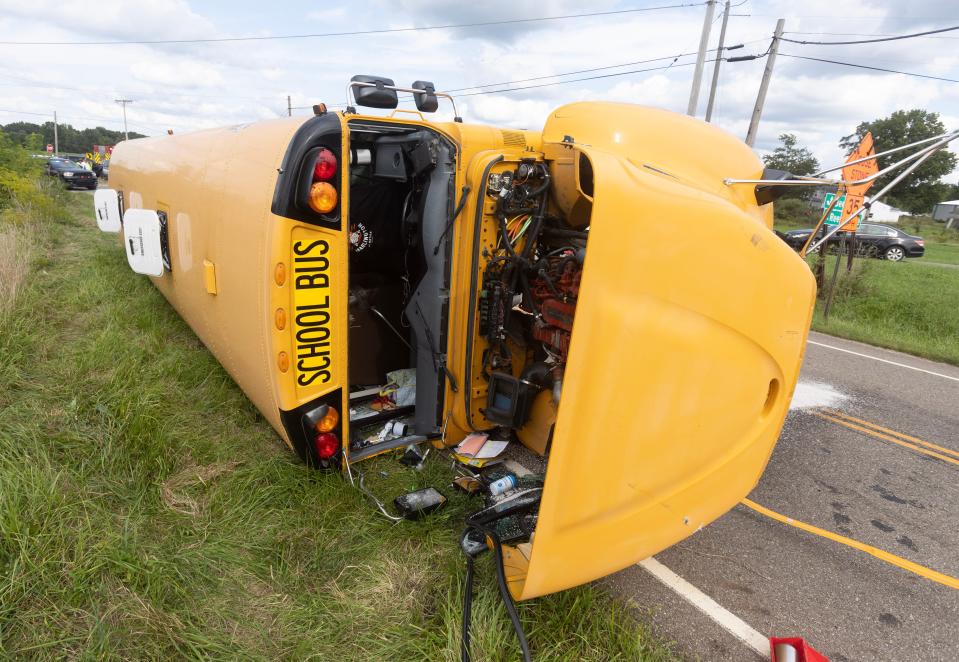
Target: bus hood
<point>688,337</point>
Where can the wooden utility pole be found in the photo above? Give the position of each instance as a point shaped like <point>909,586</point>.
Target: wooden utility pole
<point>56,139</point>
<point>719,60</point>
<point>289,106</point>
<point>124,102</point>
<point>700,59</point>
<point>764,85</point>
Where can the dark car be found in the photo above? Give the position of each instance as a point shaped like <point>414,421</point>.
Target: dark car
<point>872,240</point>
<point>71,174</point>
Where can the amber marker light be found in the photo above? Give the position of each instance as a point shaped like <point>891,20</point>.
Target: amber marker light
<point>322,197</point>
<point>329,420</point>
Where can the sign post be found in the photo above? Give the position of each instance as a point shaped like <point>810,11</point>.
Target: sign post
<point>854,198</point>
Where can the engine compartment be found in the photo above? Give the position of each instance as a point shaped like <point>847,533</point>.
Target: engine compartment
<point>527,301</point>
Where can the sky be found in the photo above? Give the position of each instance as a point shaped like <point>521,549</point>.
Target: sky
<point>187,86</point>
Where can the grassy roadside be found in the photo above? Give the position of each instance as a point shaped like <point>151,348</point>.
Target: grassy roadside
<point>942,253</point>
<point>148,512</point>
<point>909,306</point>
<point>912,306</point>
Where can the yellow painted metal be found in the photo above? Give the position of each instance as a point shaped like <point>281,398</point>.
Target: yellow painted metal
<point>689,333</point>
<point>688,336</point>
<point>217,187</point>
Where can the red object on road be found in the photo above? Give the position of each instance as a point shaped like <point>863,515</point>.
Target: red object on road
<point>805,652</point>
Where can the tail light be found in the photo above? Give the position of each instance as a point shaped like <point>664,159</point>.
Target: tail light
<point>327,445</point>
<point>316,431</point>
<point>324,420</point>
<point>323,196</point>
<point>325,166</point>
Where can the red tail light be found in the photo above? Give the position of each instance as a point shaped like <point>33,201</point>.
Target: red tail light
<point>325,166</point>
<point>327,445</point>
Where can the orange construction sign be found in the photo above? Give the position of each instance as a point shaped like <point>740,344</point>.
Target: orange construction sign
<point>855,195</point>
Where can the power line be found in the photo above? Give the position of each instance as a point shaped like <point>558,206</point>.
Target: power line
<point>869,41</point>
<point>64,119</point>
<point>572,73</point>
<point>860,34</point>
<point>32,82</point>
<point>353,33</point>
<point>864,66</point>
<point>577,80</point>
<point>559,75</point>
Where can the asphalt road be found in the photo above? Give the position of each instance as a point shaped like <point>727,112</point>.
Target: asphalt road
<point>783,581</point>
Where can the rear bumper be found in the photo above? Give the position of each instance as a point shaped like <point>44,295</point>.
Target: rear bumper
<point>83,182</point>
<point>915,251</point>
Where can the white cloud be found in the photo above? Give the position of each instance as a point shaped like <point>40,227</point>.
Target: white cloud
<point>176,73</point>
<point>199,85</point>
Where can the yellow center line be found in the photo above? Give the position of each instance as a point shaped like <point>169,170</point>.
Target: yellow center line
<point>905,564</point>
<point>886,437</point>
<point>901,435</point>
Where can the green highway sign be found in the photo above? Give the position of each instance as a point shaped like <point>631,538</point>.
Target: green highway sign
<point>836,214</point>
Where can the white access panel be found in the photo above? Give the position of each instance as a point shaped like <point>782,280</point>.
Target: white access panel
<point>141,238</point>
<point>106,204</point>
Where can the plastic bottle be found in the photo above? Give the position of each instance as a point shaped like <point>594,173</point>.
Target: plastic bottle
<point>504,484</point>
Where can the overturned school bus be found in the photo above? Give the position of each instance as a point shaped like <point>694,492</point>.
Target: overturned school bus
<point>592,289</point>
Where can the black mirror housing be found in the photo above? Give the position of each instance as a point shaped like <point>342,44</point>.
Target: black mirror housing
<point>426,101</point>
<point>376,95</point>
<point>766,193</point>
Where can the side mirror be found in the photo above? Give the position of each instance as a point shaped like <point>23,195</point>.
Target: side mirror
<point>426,101</point>
<point>376,95</point>
<point>766,193</point>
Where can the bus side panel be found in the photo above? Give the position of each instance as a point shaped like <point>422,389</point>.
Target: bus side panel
<point>217,186</point>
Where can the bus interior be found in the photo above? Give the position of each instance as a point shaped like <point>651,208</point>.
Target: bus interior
<point>401,182</point>
<point>526,271</point>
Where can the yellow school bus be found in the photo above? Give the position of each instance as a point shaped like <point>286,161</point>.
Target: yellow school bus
<point>592,291</point>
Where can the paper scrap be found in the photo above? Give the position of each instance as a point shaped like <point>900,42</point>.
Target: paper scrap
<point>471,444</point>
<point>491,449</point>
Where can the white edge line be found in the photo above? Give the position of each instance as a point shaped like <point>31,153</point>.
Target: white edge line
<point>722,616</point>
<point>876,358</point>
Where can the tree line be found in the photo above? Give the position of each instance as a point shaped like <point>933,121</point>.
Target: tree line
<point>917,193</point>
<point>36,137</point>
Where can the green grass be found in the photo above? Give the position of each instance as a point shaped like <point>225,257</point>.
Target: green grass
<point>147,511</point>
<point>942,253</point>
<point>908,306</point>
<point>912,306</point>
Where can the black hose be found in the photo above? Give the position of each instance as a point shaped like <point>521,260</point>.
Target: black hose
<point>504,594</point>
<point>507,598</point>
